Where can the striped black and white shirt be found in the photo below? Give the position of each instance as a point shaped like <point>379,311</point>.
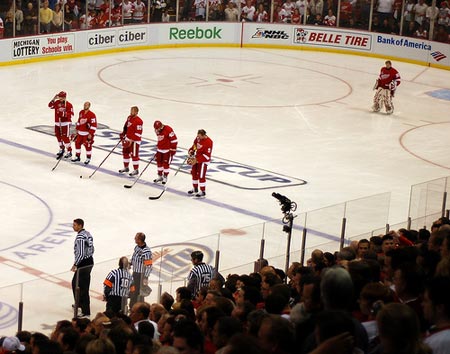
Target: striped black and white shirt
<point>141,260</point>
<point>119,282</point>
<point>199,277</point>
<point>83,247</point>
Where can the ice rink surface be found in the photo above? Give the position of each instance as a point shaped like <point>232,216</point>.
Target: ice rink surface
<point>278,119</point>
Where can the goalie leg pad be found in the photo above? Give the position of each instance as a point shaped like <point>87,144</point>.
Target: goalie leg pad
<point>387,99</point>
<point>378,100</point>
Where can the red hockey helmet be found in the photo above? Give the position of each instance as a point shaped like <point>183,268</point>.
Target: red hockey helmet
<point>157,125</point>
<point>62,94</point>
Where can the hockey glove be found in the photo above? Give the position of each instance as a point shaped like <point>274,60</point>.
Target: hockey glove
<point>126,143</point>
<point>392,85</point>
<point>191,161</point>
<point>376,85</point>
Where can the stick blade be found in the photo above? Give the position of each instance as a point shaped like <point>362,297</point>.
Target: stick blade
<point>127,186</point>
<point>158,196</point>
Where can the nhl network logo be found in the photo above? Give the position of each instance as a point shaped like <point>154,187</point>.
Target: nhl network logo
<point>270,34</point>
<point>300,35</point>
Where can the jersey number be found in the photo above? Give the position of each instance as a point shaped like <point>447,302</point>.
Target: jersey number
<point>124,283</point>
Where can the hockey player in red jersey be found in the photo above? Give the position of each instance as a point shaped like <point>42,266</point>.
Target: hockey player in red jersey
<point>63,118</point>
<point>385,87</point>
<point>86,128</point>
<point>166,149</point>
<point>131,140</point>
<point>200,156</point>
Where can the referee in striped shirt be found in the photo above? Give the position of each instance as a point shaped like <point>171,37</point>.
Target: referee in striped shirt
<point>82,266</point>
<point>142,264</point>
<point>201,275</point>
<point>117,285</point>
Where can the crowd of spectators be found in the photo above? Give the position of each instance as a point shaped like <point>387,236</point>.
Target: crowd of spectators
<point>50,16</point>
<point>389,294</point>
<point>46,16</point>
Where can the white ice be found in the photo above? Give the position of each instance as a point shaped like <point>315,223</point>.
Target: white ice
<point>305,115</point>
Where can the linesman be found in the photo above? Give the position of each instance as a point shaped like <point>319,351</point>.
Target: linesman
<point>117,286</point>
<point>142,263</point>
<point>82,266</point>
<point>201,275</point>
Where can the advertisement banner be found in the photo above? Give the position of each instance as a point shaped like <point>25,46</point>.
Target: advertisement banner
<point>23,48</point>
<point>332,37</point>
<point>411,48</point>
<point>267,33</point>
<point>402,47</point>
<point>227,34</point>
<point>440,54</point>
<point>199,33</point>
<point>117,37</point>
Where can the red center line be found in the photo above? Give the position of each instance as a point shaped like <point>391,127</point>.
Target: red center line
<point>44,276</point>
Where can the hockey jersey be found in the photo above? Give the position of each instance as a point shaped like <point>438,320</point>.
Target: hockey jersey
<point>63,112</point>
<point>388,76</point>
<point>167,139</point>
<point>203,149</point>
<point>87,123</point>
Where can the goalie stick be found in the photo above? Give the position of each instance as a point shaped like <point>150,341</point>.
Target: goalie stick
<point>137,179</point>
<point>165,188</point>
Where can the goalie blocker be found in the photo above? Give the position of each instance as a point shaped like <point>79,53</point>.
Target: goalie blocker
<point>385,87</point>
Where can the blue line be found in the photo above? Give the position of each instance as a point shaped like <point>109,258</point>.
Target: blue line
<point>177,192</point>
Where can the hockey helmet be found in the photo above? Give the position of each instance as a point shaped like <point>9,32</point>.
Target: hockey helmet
<point>157,125</point>
<point>145,290</point>
<point>62,94</point>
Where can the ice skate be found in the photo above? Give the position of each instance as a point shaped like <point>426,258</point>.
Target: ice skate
<point>134,173</point>
<point>59,154</point>
<point>125,169</point>
<point>200,194</point>
<point>76,159</point>
<point>375,108</point>
<point>159,179</point>
<point>87,161</point>
<point>68,155</point>
<point>192,192</point>
<point>389,109</point>
<point>164,180</point>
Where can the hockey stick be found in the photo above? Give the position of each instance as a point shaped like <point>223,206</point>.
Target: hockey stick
<point>59,160</point>
<point>165,188</point>
<point>57,163</point>
<point>137,179</point>
<point>101,163</point>
<point>60,133</point>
